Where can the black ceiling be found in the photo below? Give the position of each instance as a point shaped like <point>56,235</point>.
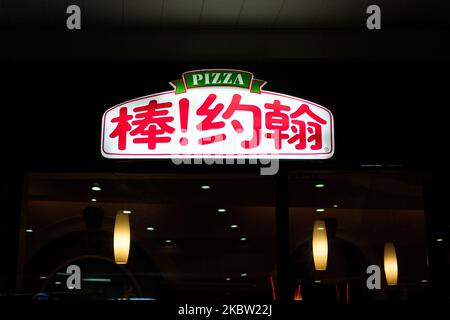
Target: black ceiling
<point>151,30</point>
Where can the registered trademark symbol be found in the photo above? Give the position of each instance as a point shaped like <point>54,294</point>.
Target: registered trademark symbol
<point>326,149</point>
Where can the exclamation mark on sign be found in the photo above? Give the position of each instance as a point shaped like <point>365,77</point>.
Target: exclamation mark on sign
<point>184,117</point>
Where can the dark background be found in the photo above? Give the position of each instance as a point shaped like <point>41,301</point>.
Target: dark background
<point>387,89</point>
<point>391,113</point>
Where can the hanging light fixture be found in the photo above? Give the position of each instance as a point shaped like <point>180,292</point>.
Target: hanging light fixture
<point>390,264</point>
<point>320,245</point>
<point>298,293</point>
<point>122,237</point>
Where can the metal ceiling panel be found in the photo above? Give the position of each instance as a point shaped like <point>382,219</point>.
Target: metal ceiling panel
<point>221,12</point>
<point>298,13</point>
<point>181,12</point>
<point>103,12</point>
<point>24,11</point>
<point>143,12</point>
<point>260,12</point>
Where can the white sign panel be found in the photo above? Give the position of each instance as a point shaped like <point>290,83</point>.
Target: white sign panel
<point>218,114</point>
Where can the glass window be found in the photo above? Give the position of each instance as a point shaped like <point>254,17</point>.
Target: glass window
<point>206,237</point>
<point>343,222</point>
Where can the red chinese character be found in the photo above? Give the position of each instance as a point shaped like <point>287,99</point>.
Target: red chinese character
<point>208,123</point>
<point>236,106</point>
<point>122,128</point>
<point>152,123</point>
<point>302,128</point>
<point>278,121</point>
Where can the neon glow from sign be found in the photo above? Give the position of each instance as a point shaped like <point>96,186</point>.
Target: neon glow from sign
<point>218,114</point>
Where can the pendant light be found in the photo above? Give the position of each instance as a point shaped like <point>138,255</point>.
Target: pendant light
<point>320,245</point>
<point>390,264</point>
<point>122,237</point>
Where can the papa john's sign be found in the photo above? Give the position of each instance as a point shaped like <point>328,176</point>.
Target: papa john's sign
<point>218,114</point>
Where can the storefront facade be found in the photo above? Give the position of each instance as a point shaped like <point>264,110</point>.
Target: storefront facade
<point>203,231</point>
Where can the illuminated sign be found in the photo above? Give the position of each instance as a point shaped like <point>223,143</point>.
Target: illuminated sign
<point>218,114</point>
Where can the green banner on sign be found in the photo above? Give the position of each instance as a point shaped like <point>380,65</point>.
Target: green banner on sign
<point>217,78</point>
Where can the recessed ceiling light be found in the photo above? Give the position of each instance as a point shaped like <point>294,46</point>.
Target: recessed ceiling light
<point>228,279</point>
<point>150,229</point>
<point>320,228</point>
<point>57,282</point>
<point>29,230</point>
<point>221,210</point>
<point>439,240</point>
<point>96,188</point>
<point>335,205</point>
<point>319,185</point>
<point>42,277</point>
<point>371,165</point>
<point>317,281</point>
<point>94,200</point>
<point>243,239</point>
<point>233,226</point>
<point>205,187</point>
<point>243,274</point>
<point>168,241</point>
<point>104,280</point>
<point>320,210</point>
<point>126,211</point>
<point>424,280</point>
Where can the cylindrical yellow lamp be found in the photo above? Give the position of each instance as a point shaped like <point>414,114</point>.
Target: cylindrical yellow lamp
<point>390,264</point>
<point>320,245</point>
<point>122,237</point>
